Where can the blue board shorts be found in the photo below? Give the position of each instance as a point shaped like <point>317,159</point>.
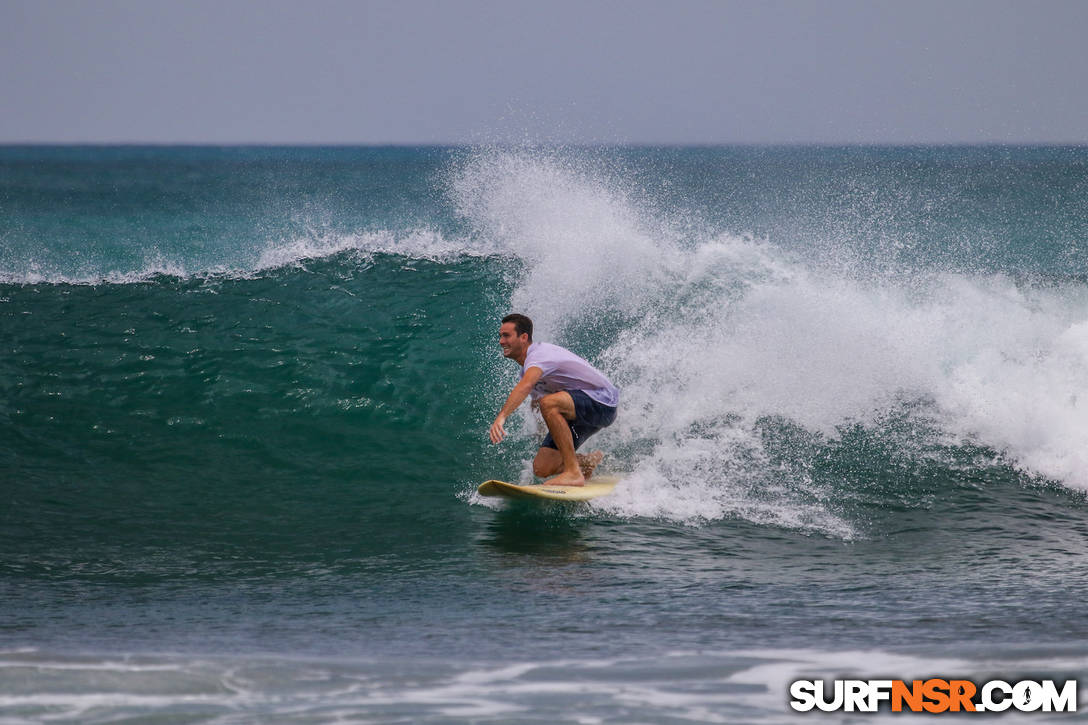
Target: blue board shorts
<point>589,417</point>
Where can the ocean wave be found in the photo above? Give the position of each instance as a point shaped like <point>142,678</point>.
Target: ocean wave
<point>422,244</point>
<point>36,273</point>
<point>358,248</point>
<point>725,344</point>
<point>712,335</point>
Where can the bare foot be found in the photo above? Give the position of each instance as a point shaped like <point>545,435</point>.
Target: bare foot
<point>567,479</point>
<point>589,462</point>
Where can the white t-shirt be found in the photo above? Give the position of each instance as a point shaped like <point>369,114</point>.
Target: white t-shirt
<point>563,370</point>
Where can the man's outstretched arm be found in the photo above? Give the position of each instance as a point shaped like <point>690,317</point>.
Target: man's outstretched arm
<point>516,397</point>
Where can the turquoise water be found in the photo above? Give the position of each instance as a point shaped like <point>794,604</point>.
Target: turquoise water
<point>246,394</point>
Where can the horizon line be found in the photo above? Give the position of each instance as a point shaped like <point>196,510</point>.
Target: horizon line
<point>554,144</point>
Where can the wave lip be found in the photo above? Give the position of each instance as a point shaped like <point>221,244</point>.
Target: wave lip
<point>34,273</point>
<point>418,244</point>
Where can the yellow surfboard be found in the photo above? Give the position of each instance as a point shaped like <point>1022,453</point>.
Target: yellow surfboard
<point>596,486</point>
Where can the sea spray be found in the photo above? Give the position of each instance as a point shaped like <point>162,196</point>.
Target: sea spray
<point>710,337</point>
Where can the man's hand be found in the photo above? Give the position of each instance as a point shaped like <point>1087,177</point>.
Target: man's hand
<point>516,397</point>
<point>497,431</point>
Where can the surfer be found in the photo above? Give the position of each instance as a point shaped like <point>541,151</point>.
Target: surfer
<point>575,399</point>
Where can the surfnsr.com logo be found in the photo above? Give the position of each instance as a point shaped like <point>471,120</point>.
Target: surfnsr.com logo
<point>934,695</point>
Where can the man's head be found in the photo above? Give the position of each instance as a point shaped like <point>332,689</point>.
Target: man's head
<point>515,336</point>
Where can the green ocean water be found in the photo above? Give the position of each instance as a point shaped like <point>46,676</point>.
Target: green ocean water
<point>245,397</point>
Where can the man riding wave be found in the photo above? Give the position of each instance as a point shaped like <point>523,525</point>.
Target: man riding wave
<point>575,399</point>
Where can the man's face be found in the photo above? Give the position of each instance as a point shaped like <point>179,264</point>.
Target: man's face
<point>512,344</point>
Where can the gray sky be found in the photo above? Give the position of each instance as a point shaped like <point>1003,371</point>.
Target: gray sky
<point>333,71</point>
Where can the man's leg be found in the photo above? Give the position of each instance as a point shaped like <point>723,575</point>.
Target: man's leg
<point>589,462</point>
<point>548,462</point>
<point>558,410</point>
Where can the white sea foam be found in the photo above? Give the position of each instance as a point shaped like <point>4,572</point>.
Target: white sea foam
<point>716,335</point>
<point>681,686</point>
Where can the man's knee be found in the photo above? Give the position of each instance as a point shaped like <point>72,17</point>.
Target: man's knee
<point>548,404</point>
<point>556,402</point>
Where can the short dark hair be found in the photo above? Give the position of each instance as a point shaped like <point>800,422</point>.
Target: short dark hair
<point>522,324</point>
